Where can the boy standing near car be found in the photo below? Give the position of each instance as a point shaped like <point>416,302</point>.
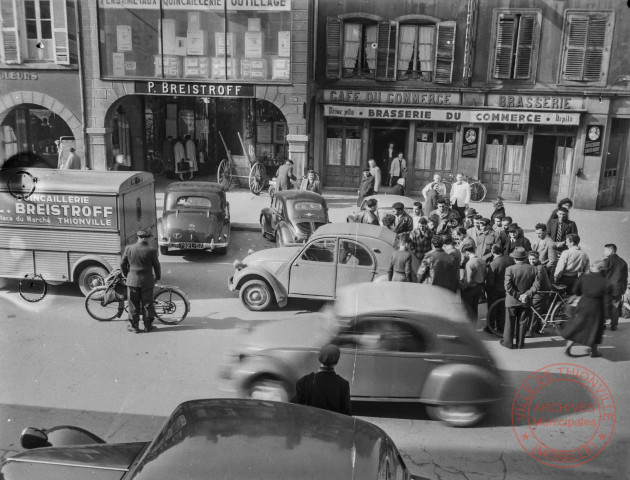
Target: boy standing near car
<point>139,263</point>
<point>324,388</point>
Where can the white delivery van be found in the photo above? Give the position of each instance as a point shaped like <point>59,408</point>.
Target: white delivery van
<point>71,225</point>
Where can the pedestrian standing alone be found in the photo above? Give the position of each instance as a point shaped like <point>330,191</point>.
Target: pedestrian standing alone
<point>366,187</point>
<point>397,169</point>
<point>616,272</point>
<point>520,286</point>
<point>324,388</point>
<point>400,263</point>
<point>587,327</point>
<point>139,264</point>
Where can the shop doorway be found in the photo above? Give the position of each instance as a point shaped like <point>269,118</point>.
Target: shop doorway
<point>381,138</point>
<point>610,183</point>
<point>541,170</point>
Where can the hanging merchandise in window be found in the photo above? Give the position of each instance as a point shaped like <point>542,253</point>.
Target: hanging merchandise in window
<point>213,42</point>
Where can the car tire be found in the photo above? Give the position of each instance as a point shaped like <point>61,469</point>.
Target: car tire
<point>457,415</point>
<point>262,229</point>
<point>164,250</point>
<point>90,278</point>
<point>268,388</point>
<point>257,295</point>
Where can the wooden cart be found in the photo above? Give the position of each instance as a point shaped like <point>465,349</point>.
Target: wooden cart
<point>242,170</point>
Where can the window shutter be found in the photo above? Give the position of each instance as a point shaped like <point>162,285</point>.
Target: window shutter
<point>594,58</point>
<point>60,32</point>
<point>73,46</point>
<point>10,39</point>
<point>524,47</point>
<point>444,52</point>
<point>333,46</point>
<point>506,30</point>
<point>575,50</point>
<point>387,48</point>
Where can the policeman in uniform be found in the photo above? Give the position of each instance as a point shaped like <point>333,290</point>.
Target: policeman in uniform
<point>139,263</point>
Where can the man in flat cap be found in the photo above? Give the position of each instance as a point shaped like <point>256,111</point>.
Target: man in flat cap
<point>324,388</point>
<point>139,264</point>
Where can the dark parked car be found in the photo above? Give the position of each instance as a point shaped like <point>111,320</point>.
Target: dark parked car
<point>293,216</point>
<point>196,216</point>
<point>399,342</point>
<point>219,438</point>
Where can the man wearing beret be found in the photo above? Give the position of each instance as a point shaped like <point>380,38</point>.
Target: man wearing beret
<point>403,223</point>
<point>139,264</point>
<point>324,388</point>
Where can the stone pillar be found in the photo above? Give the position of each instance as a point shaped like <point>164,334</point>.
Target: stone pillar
<point>97,149</point>
<point>298,152</point>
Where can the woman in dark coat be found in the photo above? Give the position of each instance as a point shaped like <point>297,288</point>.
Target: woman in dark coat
<point>587,327</point>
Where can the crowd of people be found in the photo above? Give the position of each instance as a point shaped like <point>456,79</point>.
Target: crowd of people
<point>490,259</point>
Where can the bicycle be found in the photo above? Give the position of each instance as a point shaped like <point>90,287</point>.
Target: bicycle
<point>109,301</point>
<point>557,315</point>
<point>478,190</point>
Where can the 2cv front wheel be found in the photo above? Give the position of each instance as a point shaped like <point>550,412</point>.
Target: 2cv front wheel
<point>256,294</point>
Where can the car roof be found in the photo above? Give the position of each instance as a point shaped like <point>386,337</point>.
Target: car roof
<point>183,187</point>
<point>244,439</point>
<point>300,195</point>
<point>356,230</point>
<point>385,201</point>
<point>384,297</point>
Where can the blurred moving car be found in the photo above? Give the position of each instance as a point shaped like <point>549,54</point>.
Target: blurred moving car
<point>384,205</point>
<point>399,342</point>
<point>337,254</point>
<point>293,216</point>
<point>222,438</point>
<point>196,216</point>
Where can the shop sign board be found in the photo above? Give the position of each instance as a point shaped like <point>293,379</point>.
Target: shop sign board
<point>470,144</point>
<point>593,142</point>
<point>202,89</point>
<point>207,5</point>
<point>405,98</point>
<point>536,102</point>
<point>454,115</point>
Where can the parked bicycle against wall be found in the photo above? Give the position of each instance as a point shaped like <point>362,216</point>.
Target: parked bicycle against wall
<point>478,190</point>
<point>109,301</point>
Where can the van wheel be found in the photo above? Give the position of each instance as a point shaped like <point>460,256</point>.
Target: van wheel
<point>457,415</point>
<point>164,250</point>
<point>256,295</point>
<point>90,278</point>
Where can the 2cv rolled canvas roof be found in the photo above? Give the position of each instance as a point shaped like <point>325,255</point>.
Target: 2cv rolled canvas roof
<point>79,181</point>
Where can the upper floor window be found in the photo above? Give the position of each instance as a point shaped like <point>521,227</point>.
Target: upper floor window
<point>359,52</point>
<point>586,50</point>
<point>390,50</point>
<point>515,44</point>
<point>38,31</point>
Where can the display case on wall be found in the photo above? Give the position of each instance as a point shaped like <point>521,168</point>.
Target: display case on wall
<point>134,41</point>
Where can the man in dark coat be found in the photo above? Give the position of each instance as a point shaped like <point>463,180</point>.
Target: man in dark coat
<point>439,268</point>
<point>559,228</point>
<point>431,199</point>
<point>284,176</point>
<point>520,285</point>
<point>473,281</point>
<point>388,155</point>
<point>616,272</point>
<point>485,239</point>
<point>139,264</point>
<point>495,278</point>
<point>366,187</point>
<point>516,240</point>
<point>588,325</point>
<point>324,388</point>
<point>540,301</point>
<point>368,215</point>
<point>403,223</point>
<point>400,263</point>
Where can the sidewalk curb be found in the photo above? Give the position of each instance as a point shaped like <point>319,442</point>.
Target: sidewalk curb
<point>245,227</point>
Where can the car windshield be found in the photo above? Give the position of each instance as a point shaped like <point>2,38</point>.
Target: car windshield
<point>180,201</point>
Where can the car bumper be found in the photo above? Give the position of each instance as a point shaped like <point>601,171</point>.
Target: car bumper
<point>193,245</point>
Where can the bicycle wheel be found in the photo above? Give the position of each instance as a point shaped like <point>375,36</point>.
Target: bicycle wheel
<point>560,316</point>
<point>257,178</point>
<point>156,166</point>
<point>224,174</point>
<point>171,305</point>
<point>478,192</point>
<point>98,311</point>
<point>495,319</point>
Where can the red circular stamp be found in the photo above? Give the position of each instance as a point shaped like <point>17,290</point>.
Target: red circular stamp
<point>563,415</point>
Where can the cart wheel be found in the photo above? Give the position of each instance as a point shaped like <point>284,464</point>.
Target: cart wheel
<point>257,177</point>
<point>224,174</point>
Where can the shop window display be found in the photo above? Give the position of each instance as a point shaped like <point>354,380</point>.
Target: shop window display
<point>211,44</point>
